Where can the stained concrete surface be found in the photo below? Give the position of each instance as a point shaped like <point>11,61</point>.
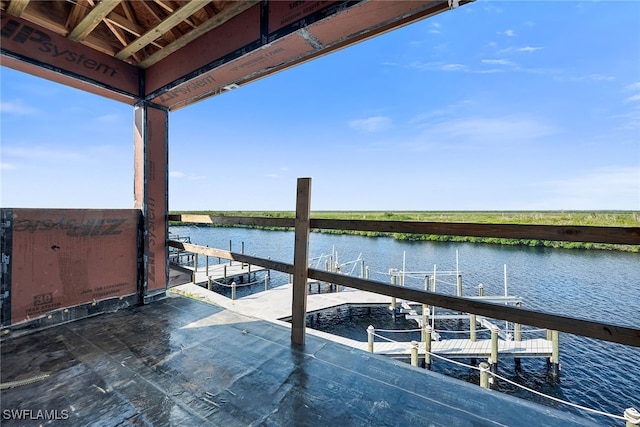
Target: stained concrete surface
<point>181,362</point>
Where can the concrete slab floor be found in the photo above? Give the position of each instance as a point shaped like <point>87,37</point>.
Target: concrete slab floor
<point>181,362</point>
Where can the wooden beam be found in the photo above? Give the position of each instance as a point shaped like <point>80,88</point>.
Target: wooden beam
<point>567,233</point>
<point>91,21</point>
<point>16,7</point>
<point>234,9</point>
<point>300,261</point>
<point>164,26</point>
<point>127,25</point>
<point>234,220</point>
<point>78,11</point>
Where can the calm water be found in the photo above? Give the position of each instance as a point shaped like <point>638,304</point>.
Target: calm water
<point>595,285</point>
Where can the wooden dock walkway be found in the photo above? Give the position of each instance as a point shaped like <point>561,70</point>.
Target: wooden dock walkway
<point>467,349</point>
<point>275,305</point>
<point>225,273</point>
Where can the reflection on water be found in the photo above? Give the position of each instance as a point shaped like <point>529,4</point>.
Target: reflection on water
<point>596,285</point>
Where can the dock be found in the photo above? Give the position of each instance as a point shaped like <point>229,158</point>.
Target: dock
<point>222,274</point>
<point>275,305</point>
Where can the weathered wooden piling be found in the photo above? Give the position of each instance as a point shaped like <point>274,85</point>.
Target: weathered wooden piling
<point>414,353</point>
<point>472,327</point>
<point>370,331</point>
<point>493,360</point>
<point>555,354</point>
<point>632,417</point>
<point>393,299</point>
<point>233,290</point>
<point>484,375</point>
<point>427,348</point>
<point>459,283</point>
<point>481,290</point>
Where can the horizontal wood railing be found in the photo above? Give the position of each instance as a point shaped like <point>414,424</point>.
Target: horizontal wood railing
<point>566,233</point>
<point>300,271</point>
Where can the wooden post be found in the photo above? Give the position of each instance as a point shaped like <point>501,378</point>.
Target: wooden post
<point>493,361</point>
<point>301,261</point>
<point>195,263</point>
<point>484,375</point>
<point>424,322</point>
<point>555,354</point>
<point>266,281</point>
<point>233,290</point>
<point>472,327</point>
<point>393,299</point>
<point>414,353</point>
<point>632,417</point>
<point>459,285</point>
<point>517,327</point>
<point>481,290</point>
<point>427,349</point>
<point>366,272</point>
<point>230,250</point>
<point>370,331</point>
<point>362,269</point>
<point>517,336</point>
<point>224,272</point>
<point>206,258</point>
<point>209,283</point>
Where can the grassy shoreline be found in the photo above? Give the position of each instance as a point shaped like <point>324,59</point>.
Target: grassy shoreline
<point>573,218</point>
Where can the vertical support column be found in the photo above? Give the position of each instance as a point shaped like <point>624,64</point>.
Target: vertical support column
<point>301,261</point>
<point>150,193</point>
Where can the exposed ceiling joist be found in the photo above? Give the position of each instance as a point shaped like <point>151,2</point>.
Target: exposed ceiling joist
<point>16,7</point>
<point>163,27</point>
<point>234,9</point>
<point>91,21</point>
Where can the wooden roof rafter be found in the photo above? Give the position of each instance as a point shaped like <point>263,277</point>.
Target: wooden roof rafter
<point>234,9</point>
<point>91,21</point>
<point>163,27</point>
<point>16,7</point>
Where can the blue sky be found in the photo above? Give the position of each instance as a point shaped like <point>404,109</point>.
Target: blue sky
<point>491,106</point>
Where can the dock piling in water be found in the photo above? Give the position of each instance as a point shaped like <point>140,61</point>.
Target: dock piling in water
<point>632,417</point>
<point>484,375</point>
<point>493,361</point>
<point>414,353</point>
<point>370,331</point>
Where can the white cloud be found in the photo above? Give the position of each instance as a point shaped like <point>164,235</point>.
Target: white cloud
<point>633,86</point>
<point>633,98</point>
<point>16,107</point>
<point>109,118</point>
<point>176,174</point>
<point>493,129</point>
<point>508,33</point>
<point>615,188</point>
<point>7,166</point>
<point>371,124</point>
<point>40,153</point>
<point>497,62</point>
<point>527,49</point>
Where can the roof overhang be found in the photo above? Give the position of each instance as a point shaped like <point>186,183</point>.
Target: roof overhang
<point>175,53</point>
